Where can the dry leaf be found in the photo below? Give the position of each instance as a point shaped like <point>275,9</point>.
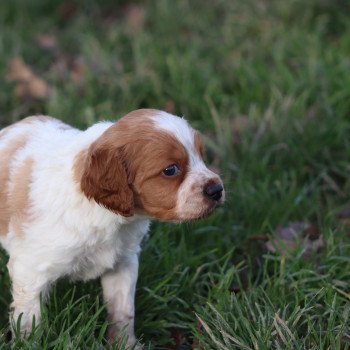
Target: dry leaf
<point>295,236</point>
<point>170,106</point>
<point>66,67</point>
<point>27,83</point>
<point>46,41</point>
<point>196,344</point>
<point>178,340</point>
<point>35,88</point>
<point>67,9</point>
<point>258,238</point>
<point>78,71</point>
<point>344,214</point>
<point>345,343</point>
<point>135,17</point>
<point>18,71</point>
<point>59,67</point>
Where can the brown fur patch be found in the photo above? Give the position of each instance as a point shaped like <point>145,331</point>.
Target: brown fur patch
<point>123,168</point>
<point>19,197</point>
<point>104,178</point>
<point>79,166</point>
<point>6,155</point>
<point>156,193</point>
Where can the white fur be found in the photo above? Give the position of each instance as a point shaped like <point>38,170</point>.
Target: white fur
<point>67,234</point>
<point>189,196</point>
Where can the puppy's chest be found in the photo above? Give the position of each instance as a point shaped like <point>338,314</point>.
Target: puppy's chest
<point>91,260</point>
<point>103,250</point>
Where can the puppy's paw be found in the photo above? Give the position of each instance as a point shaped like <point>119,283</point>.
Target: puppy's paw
<point>132,342</point>
<point>139,346</point>
<point>135,345</point>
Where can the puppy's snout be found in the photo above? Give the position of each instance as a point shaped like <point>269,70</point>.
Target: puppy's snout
<point>213,191</point>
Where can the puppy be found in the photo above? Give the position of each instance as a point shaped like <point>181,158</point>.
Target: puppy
<point>78,203</point>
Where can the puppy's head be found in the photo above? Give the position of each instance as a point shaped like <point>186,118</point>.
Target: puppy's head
<point>150,162</point>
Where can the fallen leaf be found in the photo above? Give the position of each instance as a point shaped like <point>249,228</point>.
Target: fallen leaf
<point>170,106</point>
<point>78,71</point>
<point>67,67</point>
<point>46,41</point>
<point>196,344</point>
<point>258,238</point>
<point>35,88</point>
<point>295,236</point>
<point>178,340</point>
<point>18,70</point>
<point>67,10</point>
<point>345,343</point>
<point>27,83</point>
<point>59,67</point>
<point>344,214</point>
<point>135,17</point>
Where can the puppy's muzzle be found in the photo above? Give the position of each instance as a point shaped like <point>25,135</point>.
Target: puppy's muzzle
<point>213,191</point>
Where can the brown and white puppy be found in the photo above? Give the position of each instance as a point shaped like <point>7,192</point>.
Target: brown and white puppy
<point>78,203</point>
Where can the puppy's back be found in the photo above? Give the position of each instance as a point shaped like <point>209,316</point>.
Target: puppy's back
<point>20,143</point>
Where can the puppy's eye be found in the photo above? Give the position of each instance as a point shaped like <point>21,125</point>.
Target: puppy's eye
<point>171,170</point>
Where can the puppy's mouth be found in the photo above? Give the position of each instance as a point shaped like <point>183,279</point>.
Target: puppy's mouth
<point>204,213</point>
<point>208,211</point>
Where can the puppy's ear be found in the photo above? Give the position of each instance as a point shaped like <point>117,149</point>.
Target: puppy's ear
<point>105,179</point>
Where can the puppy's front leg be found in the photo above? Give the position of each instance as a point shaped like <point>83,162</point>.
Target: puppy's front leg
<point>119,294</point>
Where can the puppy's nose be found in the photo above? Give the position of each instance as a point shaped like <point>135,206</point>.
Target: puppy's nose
<point>214,191</point>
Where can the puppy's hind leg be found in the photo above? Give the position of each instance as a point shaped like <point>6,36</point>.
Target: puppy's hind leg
<point>27,284</point>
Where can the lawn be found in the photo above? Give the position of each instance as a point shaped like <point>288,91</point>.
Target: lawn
<point>268,84</point>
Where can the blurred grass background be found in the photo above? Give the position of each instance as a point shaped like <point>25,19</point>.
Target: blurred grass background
<point>267,83</point>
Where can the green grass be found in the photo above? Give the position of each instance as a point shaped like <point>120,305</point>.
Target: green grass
<point>267,82</point>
